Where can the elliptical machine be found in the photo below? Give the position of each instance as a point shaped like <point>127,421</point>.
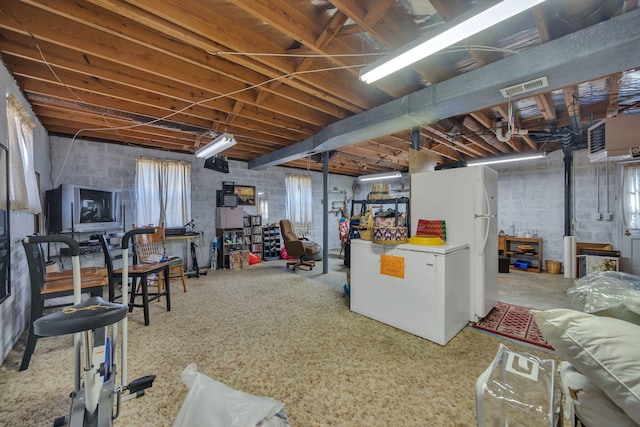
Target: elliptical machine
<point>97,392</point>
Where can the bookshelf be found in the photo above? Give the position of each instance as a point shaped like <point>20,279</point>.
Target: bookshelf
<point>270,243</point>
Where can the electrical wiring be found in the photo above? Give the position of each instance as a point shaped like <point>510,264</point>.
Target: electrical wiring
<point>250,87</point>
<point>294,73</point>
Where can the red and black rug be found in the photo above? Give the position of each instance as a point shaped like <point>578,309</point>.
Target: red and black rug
<point>514,322</point>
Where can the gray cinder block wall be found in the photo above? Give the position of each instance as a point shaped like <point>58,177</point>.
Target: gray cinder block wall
<point>531,196</point>
<point>14,310</point>
<point>115,168</point>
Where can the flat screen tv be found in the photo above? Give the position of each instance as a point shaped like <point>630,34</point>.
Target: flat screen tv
<point>79,208</point>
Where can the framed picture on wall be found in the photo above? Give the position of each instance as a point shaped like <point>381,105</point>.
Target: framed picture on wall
<point>246,195</point>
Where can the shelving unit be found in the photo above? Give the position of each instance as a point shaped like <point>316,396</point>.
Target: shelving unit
<point>232,239</point>
<point>270,243</point>
<point>355,227</point>
<point>534,256</point>
<point>366,204</point>
<point>256,234</point>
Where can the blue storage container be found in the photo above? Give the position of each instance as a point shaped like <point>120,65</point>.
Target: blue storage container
<point>522,264</point>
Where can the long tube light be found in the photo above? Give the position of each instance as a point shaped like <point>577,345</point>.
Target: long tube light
<point>216,145</point>
<point>483,20</point>
<point>506,159</point>
<point>375,177</point>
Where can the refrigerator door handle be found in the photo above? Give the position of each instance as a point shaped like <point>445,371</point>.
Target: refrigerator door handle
<point>487,214</point>
<point>486,235</point>
<point>486,198</point>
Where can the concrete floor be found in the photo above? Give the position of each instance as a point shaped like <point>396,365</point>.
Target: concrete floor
<point>541,291</point>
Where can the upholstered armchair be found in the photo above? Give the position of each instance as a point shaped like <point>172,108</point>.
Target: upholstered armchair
<point>303,249</point>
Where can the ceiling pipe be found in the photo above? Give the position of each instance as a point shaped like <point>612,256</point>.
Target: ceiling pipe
<point>415,138</point>
<point>471,124</point>
<point>509,134</point>
<point>568,162</point>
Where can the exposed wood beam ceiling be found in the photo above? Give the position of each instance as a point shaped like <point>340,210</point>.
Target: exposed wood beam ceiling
<point>282,76</point>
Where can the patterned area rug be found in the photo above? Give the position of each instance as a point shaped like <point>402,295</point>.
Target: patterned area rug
<point>515,322</point>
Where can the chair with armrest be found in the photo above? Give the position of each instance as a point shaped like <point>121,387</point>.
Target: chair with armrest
<point>297,247</point>
<point>47,286</point>
<point>148,245</point>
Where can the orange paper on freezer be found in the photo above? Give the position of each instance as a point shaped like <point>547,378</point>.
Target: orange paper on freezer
<point>392,265</point>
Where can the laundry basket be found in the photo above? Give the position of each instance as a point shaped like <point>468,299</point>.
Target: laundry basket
<point>553,266</point>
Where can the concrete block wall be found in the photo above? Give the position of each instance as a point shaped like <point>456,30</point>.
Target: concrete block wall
<point>113,165</point>
<point>14,310</point>
<point>531,196</point>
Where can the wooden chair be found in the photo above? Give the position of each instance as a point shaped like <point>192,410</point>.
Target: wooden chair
<point>297,247</point>
<point>47,286</point>
<point>144,273</point>
<point>147,245</point>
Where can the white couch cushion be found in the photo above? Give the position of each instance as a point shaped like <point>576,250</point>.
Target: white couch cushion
<point>605,350</point>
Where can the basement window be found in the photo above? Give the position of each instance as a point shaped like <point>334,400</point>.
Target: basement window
<point>23,186</point>
<point>299,202</point>
<point>163,192</point>
<point>631,196</point>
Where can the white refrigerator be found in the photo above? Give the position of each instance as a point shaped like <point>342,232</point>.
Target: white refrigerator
<point>467,200</point>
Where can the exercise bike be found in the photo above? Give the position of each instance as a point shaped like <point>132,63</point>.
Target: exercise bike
<point>97,391</point>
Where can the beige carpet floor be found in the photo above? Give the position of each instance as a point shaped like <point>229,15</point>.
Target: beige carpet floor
<point>272,333</point>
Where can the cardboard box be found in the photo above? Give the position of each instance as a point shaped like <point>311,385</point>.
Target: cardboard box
<point>246,261</point>
<point>235,260</point>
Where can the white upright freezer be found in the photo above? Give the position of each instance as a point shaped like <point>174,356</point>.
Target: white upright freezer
<point>467,200</point>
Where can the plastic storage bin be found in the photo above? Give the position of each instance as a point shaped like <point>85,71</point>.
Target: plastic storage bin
<point>522,264</point>
<point>518,390</point>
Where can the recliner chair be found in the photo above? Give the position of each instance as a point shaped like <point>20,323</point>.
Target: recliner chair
<point>303,249</point>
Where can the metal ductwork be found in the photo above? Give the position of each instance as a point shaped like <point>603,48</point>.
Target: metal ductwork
<point>449,126</point>
<point>565,61</point>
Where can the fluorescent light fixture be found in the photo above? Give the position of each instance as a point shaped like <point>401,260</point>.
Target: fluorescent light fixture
<point>506,159</point>
<point>483,20</point>
<point>218,144</point>
<point>377,176</point>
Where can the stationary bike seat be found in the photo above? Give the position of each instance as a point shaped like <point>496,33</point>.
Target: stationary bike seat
<point>93,313</point>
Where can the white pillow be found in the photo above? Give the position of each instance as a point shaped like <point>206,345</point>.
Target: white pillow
<point>605,350</point>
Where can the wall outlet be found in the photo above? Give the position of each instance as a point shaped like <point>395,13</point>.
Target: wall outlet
<point>596,216</point>
<point>607,216</point>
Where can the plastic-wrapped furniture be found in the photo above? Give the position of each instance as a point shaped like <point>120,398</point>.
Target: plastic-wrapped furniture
<point>212,403</point>
<point>518,390</point>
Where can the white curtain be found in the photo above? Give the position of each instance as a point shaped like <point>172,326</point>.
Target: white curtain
<point>23,185</point>
<point>299,202</point>
<point>263,208</point>
<point>163,192</point>
<point>631,195</point>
